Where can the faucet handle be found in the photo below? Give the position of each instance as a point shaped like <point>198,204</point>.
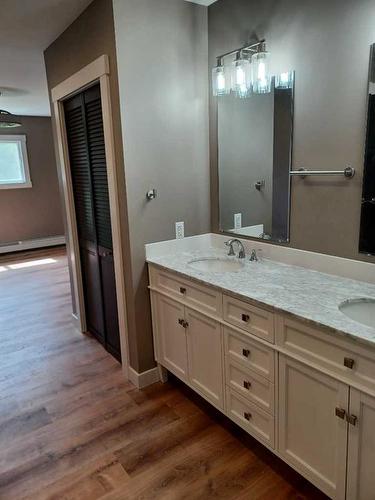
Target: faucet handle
<point>254,256</point>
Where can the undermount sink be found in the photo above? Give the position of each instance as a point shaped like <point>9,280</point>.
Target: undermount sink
<point>360,310</point>
<point>216,265</point>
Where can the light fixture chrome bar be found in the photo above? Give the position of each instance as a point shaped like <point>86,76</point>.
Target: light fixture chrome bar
<point>252,48</point>
<point>348,172</point>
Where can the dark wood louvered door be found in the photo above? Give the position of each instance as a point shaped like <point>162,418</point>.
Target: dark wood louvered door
<point>84,126</point>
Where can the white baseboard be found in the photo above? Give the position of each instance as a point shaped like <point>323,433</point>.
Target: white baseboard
<point>143,379</point>
<point>18,246</point>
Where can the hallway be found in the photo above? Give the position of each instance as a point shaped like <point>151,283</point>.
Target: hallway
<point>72,428</point>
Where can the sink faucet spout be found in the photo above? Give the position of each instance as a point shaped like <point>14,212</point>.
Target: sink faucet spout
<point>241,249</point>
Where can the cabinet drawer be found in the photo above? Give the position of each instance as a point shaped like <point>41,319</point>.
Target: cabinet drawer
<point>328,351</point>
<point>251,418</point>
<point>250,353</point>
<point>203,298</point>
<point>251,386</point>
<point>254,320</point>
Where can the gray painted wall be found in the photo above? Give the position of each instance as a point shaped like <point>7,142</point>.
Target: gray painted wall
<point>162,64</point>
<point>327,43</point>
<point>34,212</point>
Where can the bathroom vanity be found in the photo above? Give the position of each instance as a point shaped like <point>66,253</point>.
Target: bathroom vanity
<point>267,345</point>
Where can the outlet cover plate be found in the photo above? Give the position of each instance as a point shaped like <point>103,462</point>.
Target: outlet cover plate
<point>237,221</point>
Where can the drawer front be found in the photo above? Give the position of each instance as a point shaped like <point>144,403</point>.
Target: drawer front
<point>203,298</point>
<point>250,354</point>
<point>251,418</point>
<point>251,386</point>
<point>254,320</point>
<point>328,351</point>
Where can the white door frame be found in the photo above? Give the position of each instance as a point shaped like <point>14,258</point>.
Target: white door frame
<point>97,71</point>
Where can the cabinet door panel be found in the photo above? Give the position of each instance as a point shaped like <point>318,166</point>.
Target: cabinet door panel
<point>361,451</point>
<point>311,436</point>
<point>205,356</point>
<point>171,336</point>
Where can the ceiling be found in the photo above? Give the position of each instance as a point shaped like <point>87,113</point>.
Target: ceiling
<point>27,28</point>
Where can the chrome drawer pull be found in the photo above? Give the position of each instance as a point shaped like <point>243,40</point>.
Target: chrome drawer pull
<point>182,290</point>
<point>245,318</point>
<point>247,384</point>
<point>349,363</point>
<point>246,352</point>
<point>247,415</point>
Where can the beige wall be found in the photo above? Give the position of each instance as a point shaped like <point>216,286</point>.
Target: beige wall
<point>327,44</point>
<point>87,38</point>
<point>162,61</point>
<point>35,212</point>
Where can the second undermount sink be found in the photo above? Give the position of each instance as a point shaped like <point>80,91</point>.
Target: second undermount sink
<point>216,265</point>
<point>360,310</point>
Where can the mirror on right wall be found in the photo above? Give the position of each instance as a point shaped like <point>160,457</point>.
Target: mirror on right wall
<point>367,231</point>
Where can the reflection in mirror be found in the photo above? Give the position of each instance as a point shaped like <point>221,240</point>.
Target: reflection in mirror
<point>254,161</point>
<point>367,233</point>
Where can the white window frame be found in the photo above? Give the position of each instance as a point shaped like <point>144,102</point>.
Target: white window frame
<point>21,140</point>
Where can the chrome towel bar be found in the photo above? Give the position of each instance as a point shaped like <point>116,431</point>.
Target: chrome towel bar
<point>348,172</point>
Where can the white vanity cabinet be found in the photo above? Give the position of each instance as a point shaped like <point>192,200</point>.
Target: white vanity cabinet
<point>171,335</point>
<point>361,447</point>
<point>305,393</point>
<point>189,344</point>
<point>311,436</point>
<point>205,357</point>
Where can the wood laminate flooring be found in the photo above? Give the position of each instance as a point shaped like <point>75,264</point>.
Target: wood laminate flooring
<point>71,427</point>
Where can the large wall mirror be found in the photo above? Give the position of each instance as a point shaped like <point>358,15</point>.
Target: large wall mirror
<point>367,232</point>
<point>254,160</point>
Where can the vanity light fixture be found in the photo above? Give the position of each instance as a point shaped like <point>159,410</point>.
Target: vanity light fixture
<point>241,75</point>
<point>219,79</point>
<point>249,71</point>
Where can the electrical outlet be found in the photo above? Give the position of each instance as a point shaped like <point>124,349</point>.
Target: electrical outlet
<point>180,230</point>
<point>237,221</point>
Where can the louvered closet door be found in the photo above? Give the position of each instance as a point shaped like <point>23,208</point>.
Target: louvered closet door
<point>98,167</point>
<point>84,124</point>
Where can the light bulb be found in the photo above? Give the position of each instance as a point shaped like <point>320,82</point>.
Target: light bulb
<point>220,82</point>
<point>241,78</point>
<point>261,75</point>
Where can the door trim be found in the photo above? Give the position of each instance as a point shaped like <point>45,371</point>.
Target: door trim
<point>97,71</point>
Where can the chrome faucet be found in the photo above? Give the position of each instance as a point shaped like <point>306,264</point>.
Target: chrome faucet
<point>241,251</point>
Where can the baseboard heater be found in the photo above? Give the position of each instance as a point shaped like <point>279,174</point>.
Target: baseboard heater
<point>18,246</point>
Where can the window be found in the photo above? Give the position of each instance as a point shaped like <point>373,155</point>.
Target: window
<point>14,166</point>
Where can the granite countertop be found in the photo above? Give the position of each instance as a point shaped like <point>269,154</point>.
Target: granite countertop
<point>306,294</point>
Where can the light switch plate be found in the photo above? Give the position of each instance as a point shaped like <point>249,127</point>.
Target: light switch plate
<point>237,221</point>
<point>180,230</point>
